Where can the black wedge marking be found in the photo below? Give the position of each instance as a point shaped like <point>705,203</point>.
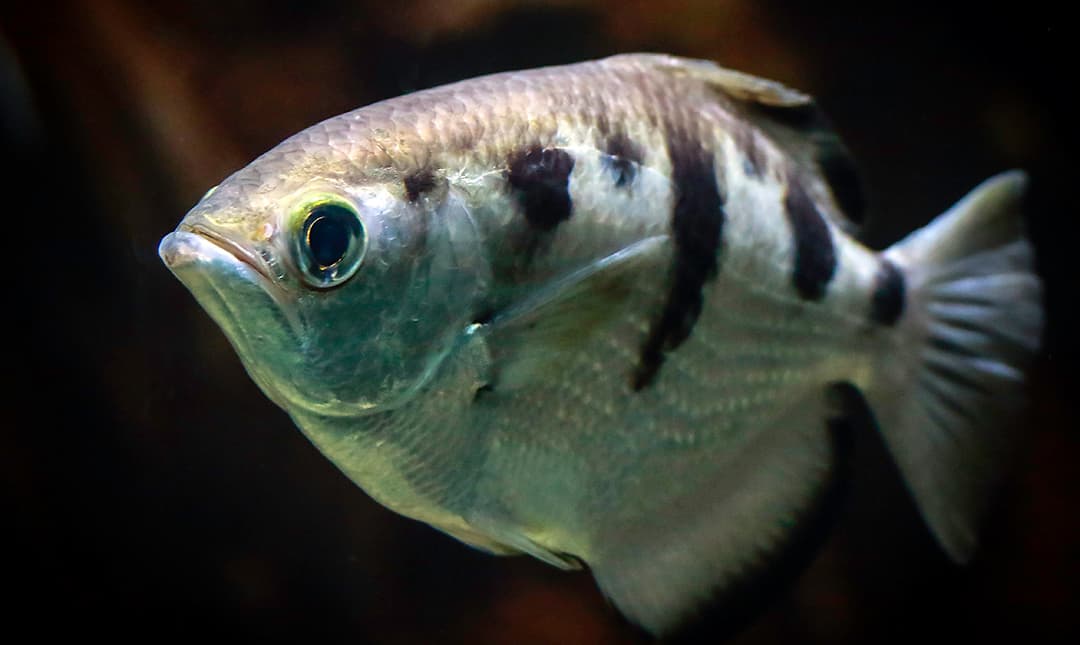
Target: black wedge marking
<point>540,178</point>
<point>815,257</point>
<point>419,182</point>
<point>697,221</point>
<point>817,144</point>
<point>887,300</point>
<point>843,179</point>
<point>622,158</point>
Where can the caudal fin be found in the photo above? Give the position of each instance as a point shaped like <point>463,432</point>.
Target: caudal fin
<point>966,308</point>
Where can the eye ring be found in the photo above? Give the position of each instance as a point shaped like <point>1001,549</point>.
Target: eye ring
<point>329,242</point>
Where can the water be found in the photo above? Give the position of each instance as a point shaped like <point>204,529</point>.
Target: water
<point>155,488</point>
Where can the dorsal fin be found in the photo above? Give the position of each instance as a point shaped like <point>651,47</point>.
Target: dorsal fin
<point>737,85</point>
<point>795,123</point>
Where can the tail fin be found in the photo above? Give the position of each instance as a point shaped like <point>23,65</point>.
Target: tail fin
<point>950,376</point>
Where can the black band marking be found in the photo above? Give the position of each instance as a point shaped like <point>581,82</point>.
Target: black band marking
<point>540,178</point>
<point>815,257</point>
<point>622,158</point>
<point>887,300</point>
<point>697,221</point>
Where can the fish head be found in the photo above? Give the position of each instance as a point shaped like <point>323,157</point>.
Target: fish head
<point>340,295</point>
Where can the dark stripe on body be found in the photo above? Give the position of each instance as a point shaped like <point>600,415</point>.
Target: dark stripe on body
<point>697,221</point>
<point>622,159</point>
<point>887,300</point>
<point>815,257</point>
<point>540,179</point>
<point>807,123</point>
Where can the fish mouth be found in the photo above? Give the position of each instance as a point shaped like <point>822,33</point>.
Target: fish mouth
<point>236,290</point>
<point>193,244</point>
<point>242,254</point>
<point>200,256</point>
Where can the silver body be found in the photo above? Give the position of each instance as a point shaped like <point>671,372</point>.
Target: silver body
<point>478,371</point>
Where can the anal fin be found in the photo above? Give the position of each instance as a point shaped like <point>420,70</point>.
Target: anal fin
<point>737,540</point>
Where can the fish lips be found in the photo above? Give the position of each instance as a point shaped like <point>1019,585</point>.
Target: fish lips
<point>254,312</point>
<point>209,266</point>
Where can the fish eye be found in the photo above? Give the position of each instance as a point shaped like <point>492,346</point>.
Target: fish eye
<point>330,243</point>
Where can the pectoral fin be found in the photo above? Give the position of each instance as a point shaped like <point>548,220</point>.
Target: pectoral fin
<point>534,337</point>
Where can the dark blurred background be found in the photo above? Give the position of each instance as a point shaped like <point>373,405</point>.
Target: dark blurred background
<point>152,492</point>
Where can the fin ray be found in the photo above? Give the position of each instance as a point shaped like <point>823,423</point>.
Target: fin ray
<point>532,338</point>
<point>795,122</point>
<point>974,317</point>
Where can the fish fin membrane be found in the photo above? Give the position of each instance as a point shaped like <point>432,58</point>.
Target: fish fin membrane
<point>733,541</point>
<point>949,382</point>
<point>795,122</point>
<point>478,541</point>
<point>531,340</point>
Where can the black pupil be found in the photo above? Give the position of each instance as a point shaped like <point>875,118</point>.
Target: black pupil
<point>329,229</point>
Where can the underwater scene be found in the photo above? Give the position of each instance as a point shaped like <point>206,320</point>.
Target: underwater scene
<point>508,321</point>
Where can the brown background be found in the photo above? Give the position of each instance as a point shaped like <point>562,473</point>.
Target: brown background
<point>151,491</point>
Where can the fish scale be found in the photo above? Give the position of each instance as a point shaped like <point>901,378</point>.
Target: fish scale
<point>607,314</point>
<point>694,398</point>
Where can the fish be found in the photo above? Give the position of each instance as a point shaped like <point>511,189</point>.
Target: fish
<point>609,315</point>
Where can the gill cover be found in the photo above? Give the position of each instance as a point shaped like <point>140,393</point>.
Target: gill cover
<point>373,336</point>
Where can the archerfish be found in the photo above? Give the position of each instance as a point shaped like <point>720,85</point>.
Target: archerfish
<point>603,314</point>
